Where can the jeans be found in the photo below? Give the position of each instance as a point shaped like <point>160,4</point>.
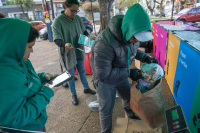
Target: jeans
<point>106,94</point>
<point>81,72</point>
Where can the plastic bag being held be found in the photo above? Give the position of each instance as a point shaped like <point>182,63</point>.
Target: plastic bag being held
<point>151,73</point>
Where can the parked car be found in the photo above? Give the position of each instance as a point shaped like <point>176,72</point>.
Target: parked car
<point>38,24</point>
<point>158,14</point>
<point>188,15</point>
<point>88,26</point>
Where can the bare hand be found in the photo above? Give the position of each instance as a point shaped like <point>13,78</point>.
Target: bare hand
<point>68,46</point>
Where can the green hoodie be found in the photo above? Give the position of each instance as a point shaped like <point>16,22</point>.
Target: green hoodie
<point>135,20</point>
<point>23,100</point>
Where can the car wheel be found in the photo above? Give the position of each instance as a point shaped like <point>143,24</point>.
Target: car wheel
<point>46,37</point>
<point>182,20</point>
<point>89,30</point>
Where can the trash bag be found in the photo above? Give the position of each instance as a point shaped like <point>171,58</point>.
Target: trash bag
<point>149,106</point>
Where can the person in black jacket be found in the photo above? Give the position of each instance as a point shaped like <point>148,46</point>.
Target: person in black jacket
<point>112,53</point>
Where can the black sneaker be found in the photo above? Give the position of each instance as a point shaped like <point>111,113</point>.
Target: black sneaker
<point>89,91</point>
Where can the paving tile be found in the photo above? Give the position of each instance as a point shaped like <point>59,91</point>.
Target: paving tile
<point>63,125</point>
<point>88,129</point>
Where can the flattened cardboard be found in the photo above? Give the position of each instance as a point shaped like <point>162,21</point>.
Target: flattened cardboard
<point>124,125</point>
<point>121,125</point>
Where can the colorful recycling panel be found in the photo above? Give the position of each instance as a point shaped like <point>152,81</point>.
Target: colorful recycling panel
<point>153,33</point>
<point>186,79</point>
<point>172,59</point>
<point>161,49</point>
<point>194,121</point>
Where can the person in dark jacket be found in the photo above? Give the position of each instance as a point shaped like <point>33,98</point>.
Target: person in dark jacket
<point>112,53</point>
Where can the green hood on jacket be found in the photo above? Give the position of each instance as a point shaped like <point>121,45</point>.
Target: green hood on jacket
<point>23,99</point>
<point>14,37</point>
<point>135,20</point>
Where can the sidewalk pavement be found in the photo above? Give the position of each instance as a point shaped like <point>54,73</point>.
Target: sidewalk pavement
<point>63,116</point>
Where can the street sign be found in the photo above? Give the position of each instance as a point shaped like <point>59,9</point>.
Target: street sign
<point>46,15</point>
<point>184,5</point>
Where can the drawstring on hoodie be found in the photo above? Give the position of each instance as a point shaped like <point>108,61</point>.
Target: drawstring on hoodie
<point>128,62</point>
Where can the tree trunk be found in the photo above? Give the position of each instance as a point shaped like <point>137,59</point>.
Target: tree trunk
<point>33,8</point>
<point>151,10</point>
<point>22,9</point>
<point>161,9</point>
<point>105,8</point>
<point>27,15</point>
<point>181,5</point>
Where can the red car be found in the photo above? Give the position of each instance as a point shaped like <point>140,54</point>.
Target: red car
<point>188,15</point>
<point>38,24</point>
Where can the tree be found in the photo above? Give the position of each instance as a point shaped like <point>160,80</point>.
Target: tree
<point>150,6</point>
<point>8,2</point>
<point>161,6</point>
<point>21,4</point>
<point>105,9</point>
<point>28,4</point>
<point>158,7</point>
<point>120,5</point>
<point>182,2</point>
<point>129,3</point>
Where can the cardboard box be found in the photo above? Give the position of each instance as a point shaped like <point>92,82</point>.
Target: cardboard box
<point>124,125</point>
<point>138,63</point>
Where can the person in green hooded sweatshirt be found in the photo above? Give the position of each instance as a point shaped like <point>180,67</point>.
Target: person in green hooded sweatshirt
<point>112,54</point>
<point>23,99</point>
<point>67,28</point>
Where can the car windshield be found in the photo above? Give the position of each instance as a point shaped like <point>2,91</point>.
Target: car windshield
<point>184,11</point>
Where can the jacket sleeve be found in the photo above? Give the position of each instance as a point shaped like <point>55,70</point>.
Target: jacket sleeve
<point>42,77</point>
<point>57,28</point>
<point>59,43</point>
<point>141,55</point>
<point>103,58</point>
<point>16,109</point>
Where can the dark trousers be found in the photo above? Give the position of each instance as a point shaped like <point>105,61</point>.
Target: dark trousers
<point>106,94</point>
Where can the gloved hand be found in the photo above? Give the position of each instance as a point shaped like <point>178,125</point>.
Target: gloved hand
<point>149,60</point>
<point>135,75</point>
<point>68,46</point>
<point>50,76</point>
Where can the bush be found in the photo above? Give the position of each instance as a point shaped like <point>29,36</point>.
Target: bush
<point>30,19</point>
<point>87,6</point>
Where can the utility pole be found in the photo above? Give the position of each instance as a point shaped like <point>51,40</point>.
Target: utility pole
<point>53,16</point>
<point>172,10</point>
<point>93,16</point>
<point>47,19</point>
<point>114,8</point>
